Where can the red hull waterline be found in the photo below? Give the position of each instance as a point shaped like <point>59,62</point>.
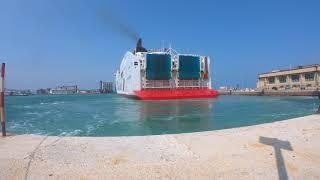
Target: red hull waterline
<point>162,94</point>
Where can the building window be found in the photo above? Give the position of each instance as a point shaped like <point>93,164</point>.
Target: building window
<point>282,79</point>
<point>287,87</point>
<point>271,80</point>
<point>309,76</point>
<point>295,78</point>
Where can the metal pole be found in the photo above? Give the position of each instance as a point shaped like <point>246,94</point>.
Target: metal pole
<point>3,124</point>
<point>317,77</point>
<point>318,112</point>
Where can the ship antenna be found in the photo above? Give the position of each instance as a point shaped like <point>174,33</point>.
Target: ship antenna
<point>162,45</point>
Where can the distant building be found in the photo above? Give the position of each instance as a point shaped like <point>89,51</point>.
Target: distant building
<point>65,90</point>
<point>43,91</point>
<point>106,87</point>
<point>14,92</point>
<point>223,88</point>
<point>90,91</point>
<point>299,78</point>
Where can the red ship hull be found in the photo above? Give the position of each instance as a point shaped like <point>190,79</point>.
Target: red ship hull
<point>162,94</point>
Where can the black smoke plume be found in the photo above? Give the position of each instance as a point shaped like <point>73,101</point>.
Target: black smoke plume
<point>111,20</point>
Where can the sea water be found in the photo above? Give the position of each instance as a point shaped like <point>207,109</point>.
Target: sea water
<point>113,115</point>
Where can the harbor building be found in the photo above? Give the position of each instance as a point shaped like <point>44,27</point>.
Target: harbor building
<point>15,92</point>
<point>65,90</point>
<point>106,87</point>
<point>43,91</point>
<point>300,78</point>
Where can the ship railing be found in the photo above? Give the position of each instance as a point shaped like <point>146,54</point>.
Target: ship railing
<point>157,84</point>
<point>192,84</point>
<point>167,84</point>
<point>204,83</point>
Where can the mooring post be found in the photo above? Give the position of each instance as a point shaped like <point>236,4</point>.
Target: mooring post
<point>3,121</point>
<point>318,111</point>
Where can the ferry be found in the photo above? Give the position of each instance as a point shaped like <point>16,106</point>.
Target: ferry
<point>163,74</point>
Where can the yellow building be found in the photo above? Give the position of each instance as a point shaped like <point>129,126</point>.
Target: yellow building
<point>299,78</point>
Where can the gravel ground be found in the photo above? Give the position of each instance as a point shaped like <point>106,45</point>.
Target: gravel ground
<point>280,150</point>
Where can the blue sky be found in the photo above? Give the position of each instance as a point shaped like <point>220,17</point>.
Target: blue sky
<point>51,43</point>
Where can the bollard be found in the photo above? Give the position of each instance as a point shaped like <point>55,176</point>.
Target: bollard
<point>3,122</point>
<point>318,112</point>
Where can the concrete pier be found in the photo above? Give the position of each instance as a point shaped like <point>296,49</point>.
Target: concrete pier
<point>270,93</point>
<point>280,150</point>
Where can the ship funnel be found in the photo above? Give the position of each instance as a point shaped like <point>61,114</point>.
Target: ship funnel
<point>139,47</point>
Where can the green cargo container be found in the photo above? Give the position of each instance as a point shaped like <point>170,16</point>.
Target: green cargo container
<point>189,67</point>
<point>158,66</point>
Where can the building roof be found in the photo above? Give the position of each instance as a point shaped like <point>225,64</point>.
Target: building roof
<point>295,68</point>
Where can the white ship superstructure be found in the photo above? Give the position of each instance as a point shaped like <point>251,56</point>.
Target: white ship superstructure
<point>164,74</point>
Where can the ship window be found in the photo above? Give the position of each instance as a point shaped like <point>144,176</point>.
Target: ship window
<point>295,78</point>
<point>271,80</point>
<point>282,79</point>
<point>135,63</point>
<point>309,76</point>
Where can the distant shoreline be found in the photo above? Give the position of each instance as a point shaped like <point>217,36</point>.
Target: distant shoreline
<point>221,92</point>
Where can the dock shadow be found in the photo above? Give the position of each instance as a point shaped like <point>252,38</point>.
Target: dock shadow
<point>278,144</point>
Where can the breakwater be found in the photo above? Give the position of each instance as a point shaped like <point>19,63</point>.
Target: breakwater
<point>270,93</point>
